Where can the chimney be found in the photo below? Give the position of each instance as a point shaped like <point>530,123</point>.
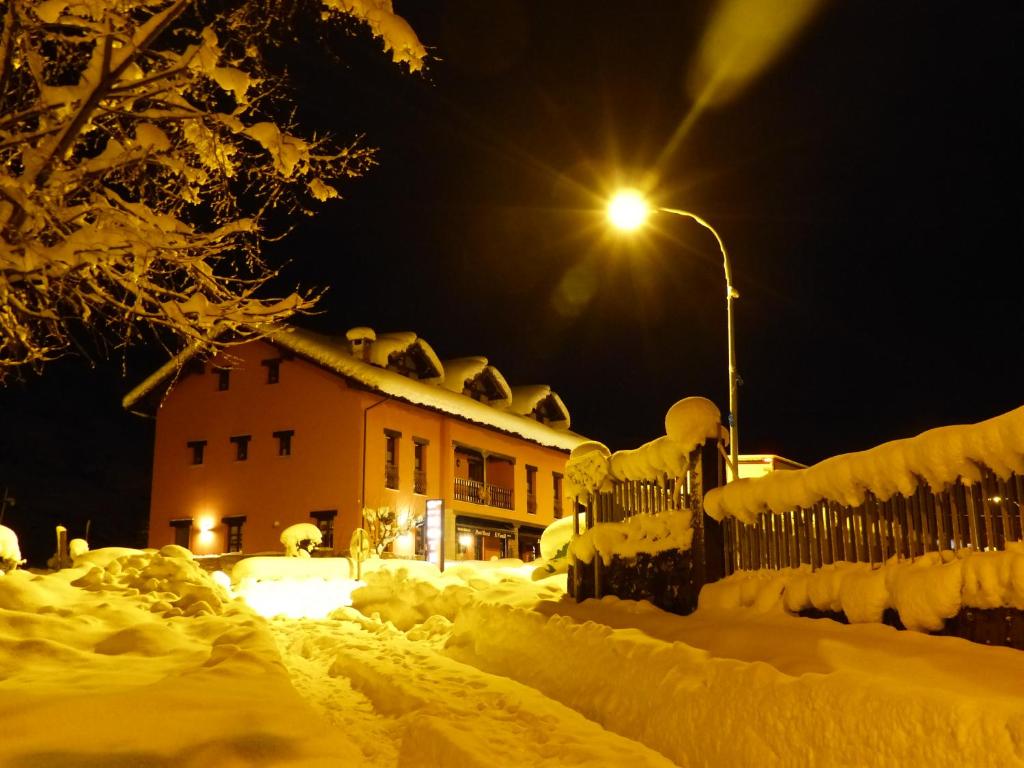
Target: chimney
<point>359,341</point>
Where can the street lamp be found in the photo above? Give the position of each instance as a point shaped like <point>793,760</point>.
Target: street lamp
<point>628,210</point>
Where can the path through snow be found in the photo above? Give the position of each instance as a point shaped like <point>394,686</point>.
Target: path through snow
<point>406,704</point>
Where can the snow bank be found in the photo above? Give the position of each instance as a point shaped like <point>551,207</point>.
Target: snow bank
<point>688,424</point>
<point>648,534</point>
<point>411,596</point>
<point>938,457</point>
<point>143,661</point>
<point>697,709</point>
<point>925,592</point>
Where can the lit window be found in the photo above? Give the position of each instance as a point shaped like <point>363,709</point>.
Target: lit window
<point>273,370</point>
<point>198,450</point>
<point>284,442</point>
<point>241,446</point>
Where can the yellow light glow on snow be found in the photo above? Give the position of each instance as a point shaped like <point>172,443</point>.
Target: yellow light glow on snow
<point>628,210</point>
<point>297,598</point>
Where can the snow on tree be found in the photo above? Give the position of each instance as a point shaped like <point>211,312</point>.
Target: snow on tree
<point>143,146</point>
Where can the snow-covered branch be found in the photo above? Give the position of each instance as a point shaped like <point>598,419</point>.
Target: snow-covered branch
<point>142,146</point>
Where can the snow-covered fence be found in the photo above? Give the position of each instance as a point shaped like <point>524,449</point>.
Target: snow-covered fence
<point>642,533</point>
<point>981,516</point>
<point>947,489</point>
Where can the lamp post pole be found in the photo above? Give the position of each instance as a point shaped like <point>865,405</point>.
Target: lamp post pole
<point>730,295</point>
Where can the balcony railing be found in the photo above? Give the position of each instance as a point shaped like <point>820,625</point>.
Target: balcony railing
<point>476,492</point>
<point>419,481</point>
<point>558,507</point>
<point>390,475</point>
<point>531,505</point>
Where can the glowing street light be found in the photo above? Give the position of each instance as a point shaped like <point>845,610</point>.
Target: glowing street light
<point>628,210</point>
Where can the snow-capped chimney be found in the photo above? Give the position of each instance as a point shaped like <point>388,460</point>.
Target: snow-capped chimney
<point>359,342</point>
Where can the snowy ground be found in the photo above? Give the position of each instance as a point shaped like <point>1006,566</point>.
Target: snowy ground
<point>142,660</point>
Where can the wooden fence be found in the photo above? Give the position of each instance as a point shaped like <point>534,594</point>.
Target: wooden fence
<point>980,516</point>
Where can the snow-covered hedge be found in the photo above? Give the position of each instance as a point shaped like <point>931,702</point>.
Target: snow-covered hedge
<point>938,457</point>
<point>638,534</point>
<point>925,591</point>
<point>688,424</point>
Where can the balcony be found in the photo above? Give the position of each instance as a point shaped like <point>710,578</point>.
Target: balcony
<point>419,481</point>
<point>531,505</point>
<point>391,476</point>
<point>476,492</point>
<point>558,507</point>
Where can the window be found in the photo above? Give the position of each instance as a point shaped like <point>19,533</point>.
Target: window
<point>419,478</point>
<point>198,450</point>
<point>284,442</point>
<point>234,525</point>
<point>182,531</point>
<point>325,522</point>
<point>223,379</point>
<point>391,458</point>
<point>273,370</point>
<point>531,490</point>
<point>557,487</point>
<point>241,446</point>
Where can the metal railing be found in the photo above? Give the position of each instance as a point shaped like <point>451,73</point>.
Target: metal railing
<point>979,516</point>
<point>390,475</point>
<point>531,505</point>
<point>477,492</point>
<point>419,481</point>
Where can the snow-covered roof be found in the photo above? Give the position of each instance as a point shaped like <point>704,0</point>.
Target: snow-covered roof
<point>333,354</point>
<point>463,372</point>
<point>538,398</point>
<point>937,457</point>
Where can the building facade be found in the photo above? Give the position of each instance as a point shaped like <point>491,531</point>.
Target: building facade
<point>303,427</point>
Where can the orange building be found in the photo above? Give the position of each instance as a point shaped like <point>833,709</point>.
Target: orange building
<point>302,427</point>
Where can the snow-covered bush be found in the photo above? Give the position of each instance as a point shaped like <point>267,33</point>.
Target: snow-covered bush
<point>10,552</point>
<point>300,539</point>
<point>383,526</point>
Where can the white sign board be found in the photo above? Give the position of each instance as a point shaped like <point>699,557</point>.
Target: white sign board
<point>434,532</point>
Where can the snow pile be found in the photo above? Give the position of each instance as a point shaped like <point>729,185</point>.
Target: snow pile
<point>298,539</point>
<point>412,593</point>
<point>688,424</point>
<point>109,673</point>
<point>699,707</point>
<point>169,581</point>
<point>938,457</point>
<point>10,552</point>
<point>647,534</point>
<point>925,592</point>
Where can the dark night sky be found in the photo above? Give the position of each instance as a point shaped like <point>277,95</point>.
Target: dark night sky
<point>866,186</point>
